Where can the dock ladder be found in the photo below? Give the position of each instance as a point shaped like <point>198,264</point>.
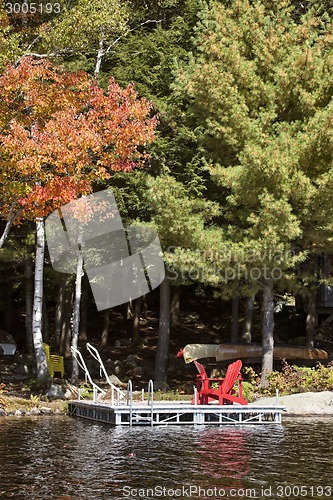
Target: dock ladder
<point>134,416</point>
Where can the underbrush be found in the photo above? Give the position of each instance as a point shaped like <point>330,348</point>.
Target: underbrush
<point>295,379</point>
<point>291,379</point>
<point>2,391</point>
<point>171,395</point>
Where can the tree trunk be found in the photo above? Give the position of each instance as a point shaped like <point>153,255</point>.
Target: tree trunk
<point>8,316</point>
<point>310,328</point>
<point>10,220</point>
<point>175,305</point>
<point>100,54</point>
<point>76,315</point>
<point>65,340</point>
<point>267,332</point>
<point>163,336</point>
<point>46,324</point>
<point>42,369</point>
<point>29,293</point>
<point>5,232</point>
<point>59,312</point>
<point>106,327</point>
<point>299,304</point>
<point>248,315</point>
<point>234,319</point>
<point>136,321</point>
<point>84,310</point>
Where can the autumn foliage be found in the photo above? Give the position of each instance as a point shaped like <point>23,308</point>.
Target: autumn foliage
<point>60,132</point>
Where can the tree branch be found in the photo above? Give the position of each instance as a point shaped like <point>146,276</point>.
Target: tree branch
<point>129,31</point>
<point>11,217</point>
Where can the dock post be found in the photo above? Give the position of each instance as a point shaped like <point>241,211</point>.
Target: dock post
<point>129,400</point>
<point>151,400</point>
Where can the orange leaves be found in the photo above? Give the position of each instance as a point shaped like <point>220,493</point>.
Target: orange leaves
<point>60,132</point>
<point>53,194</point>
<point>123,121</point>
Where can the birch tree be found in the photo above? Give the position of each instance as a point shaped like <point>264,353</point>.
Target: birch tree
<point>60,133</point>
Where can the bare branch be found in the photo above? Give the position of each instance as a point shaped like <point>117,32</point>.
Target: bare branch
<point>129,31</point>
<point>10,221</point>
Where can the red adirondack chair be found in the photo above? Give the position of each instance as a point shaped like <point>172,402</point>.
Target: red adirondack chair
<point>226,391</point>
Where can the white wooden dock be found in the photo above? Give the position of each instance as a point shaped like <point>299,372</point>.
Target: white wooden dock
<point>175,413</point>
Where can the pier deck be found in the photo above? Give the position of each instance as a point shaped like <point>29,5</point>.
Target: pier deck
<point>175,413</point>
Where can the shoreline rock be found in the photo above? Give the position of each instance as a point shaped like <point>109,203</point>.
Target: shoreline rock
<point>303,404</point>
<point>20,407</point>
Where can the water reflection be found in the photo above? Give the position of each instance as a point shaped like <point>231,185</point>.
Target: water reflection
<point>224,456</point>
<point>65,458</point>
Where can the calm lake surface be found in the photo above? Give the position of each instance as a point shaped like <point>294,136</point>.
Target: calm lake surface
<point>67,458</point>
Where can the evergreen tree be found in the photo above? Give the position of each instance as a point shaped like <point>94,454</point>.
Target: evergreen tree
<point>260,85</point>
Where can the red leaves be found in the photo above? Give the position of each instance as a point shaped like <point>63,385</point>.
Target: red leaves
<point>54,194</point>
<point>61,132</point>
<point>123,121</point>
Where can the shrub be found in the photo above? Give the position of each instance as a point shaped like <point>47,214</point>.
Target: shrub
<point>250,383</point>
<point>2,391</point>
<point>295,379</point>
<point>248,391</point>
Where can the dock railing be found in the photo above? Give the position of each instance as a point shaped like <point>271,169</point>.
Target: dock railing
<point>80,361</point>
<point>115,391</point>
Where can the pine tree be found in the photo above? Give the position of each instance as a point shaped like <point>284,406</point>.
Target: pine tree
<point>259,84</point>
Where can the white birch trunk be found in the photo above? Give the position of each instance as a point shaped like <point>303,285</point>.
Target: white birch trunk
<point>29,294</point>
<point>10,220</point>
<point>99,58</point>
<point>37,313</point>
<point>76,315</point>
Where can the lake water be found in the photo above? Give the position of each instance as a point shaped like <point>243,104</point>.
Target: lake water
<point>67,458</point>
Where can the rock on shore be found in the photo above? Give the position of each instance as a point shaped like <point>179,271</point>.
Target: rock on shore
<point>307,403</point>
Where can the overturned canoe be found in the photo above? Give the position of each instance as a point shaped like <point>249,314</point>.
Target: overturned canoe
<point>192,352</point>
<point>226,352</point>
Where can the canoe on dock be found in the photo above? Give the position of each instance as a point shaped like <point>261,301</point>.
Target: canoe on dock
<point>227,352</point>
